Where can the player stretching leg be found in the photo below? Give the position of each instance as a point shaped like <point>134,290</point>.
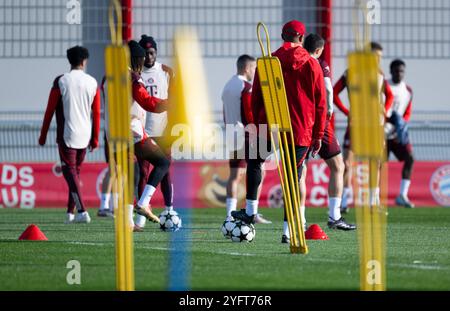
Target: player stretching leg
<point>236,98</point>
<point>385,89</point>
<point>397,139</point>
<point>330,151</point>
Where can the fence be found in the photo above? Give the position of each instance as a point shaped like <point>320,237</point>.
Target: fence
<point>19,132</point>
<point>43,28</point>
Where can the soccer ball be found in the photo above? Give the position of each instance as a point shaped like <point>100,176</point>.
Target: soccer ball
<point>275,197</point>
<point>227,227</point>
<point>242,232</point>
<point>169,221</point>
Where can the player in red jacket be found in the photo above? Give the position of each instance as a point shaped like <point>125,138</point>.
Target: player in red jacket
<point>75,98</point>
<point>307,107</point>
<point>385,90</point>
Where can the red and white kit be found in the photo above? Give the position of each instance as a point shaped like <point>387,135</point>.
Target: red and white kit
<point>403,96</point>
<point>75,99</point>
<point>236,99</point>
<point>156,80</point>
<point>384,89</point>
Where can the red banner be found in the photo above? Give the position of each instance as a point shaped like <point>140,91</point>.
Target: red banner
<point>29,185</point>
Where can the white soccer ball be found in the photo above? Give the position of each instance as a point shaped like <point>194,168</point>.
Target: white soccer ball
<point>275,197</point>
<point>243,232</point>
<point>169,221</point>
<point>227,228</point>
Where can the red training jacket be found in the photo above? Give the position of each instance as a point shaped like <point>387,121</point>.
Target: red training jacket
<point>305,90</point>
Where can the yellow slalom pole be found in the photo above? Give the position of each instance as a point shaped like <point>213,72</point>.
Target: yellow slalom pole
<point>279,122</point>
<point>117,60</point>
<point>368,145</point>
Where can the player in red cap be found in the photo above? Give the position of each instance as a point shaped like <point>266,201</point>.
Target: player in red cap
<point>307,107</point>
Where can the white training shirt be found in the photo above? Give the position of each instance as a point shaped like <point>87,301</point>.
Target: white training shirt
<point>402,97</point>
<point>156,81</point>
<point>78,91</point>
<point>231,99</point>
<point>402,100</point>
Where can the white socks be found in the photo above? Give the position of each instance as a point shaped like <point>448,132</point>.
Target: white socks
<point>251,207</point>
<point>334,208</point>
<point>104,201</point>
<point>130,215</point>
<point>231,206</point>
<point>375,196</point>
<point>404,187</point>
<point>302,215</point>
<point>286,225</point>
<point>146,196</point>
<point>286,229</point>
<point>140,221</point>
<point>346,196</point>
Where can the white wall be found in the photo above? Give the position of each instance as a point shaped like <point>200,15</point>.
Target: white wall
<point>25,83</point>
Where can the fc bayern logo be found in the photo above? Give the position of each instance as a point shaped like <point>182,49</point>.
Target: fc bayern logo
<point>440,185</point>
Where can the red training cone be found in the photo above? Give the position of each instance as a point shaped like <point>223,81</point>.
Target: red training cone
<point>33,233</point>
<point>314,232</point>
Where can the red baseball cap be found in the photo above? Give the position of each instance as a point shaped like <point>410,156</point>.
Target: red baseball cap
<point>294,27</point>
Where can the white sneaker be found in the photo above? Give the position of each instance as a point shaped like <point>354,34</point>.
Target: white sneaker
<point>105,213</point>
<point>83,218</point>
<point>140,221</point>
<point>403,201</point>
<point>259,219</point>
<point>69,218</point>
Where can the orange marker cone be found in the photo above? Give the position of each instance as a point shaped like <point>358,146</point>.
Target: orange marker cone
<point>314,232</point>
<point>33,233</point>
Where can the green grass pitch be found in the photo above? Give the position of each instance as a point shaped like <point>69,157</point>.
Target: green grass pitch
<point>418,254</point>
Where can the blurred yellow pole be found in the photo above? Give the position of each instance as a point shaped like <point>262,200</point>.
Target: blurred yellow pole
<point>368,144</point>
<point>117,60</point>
